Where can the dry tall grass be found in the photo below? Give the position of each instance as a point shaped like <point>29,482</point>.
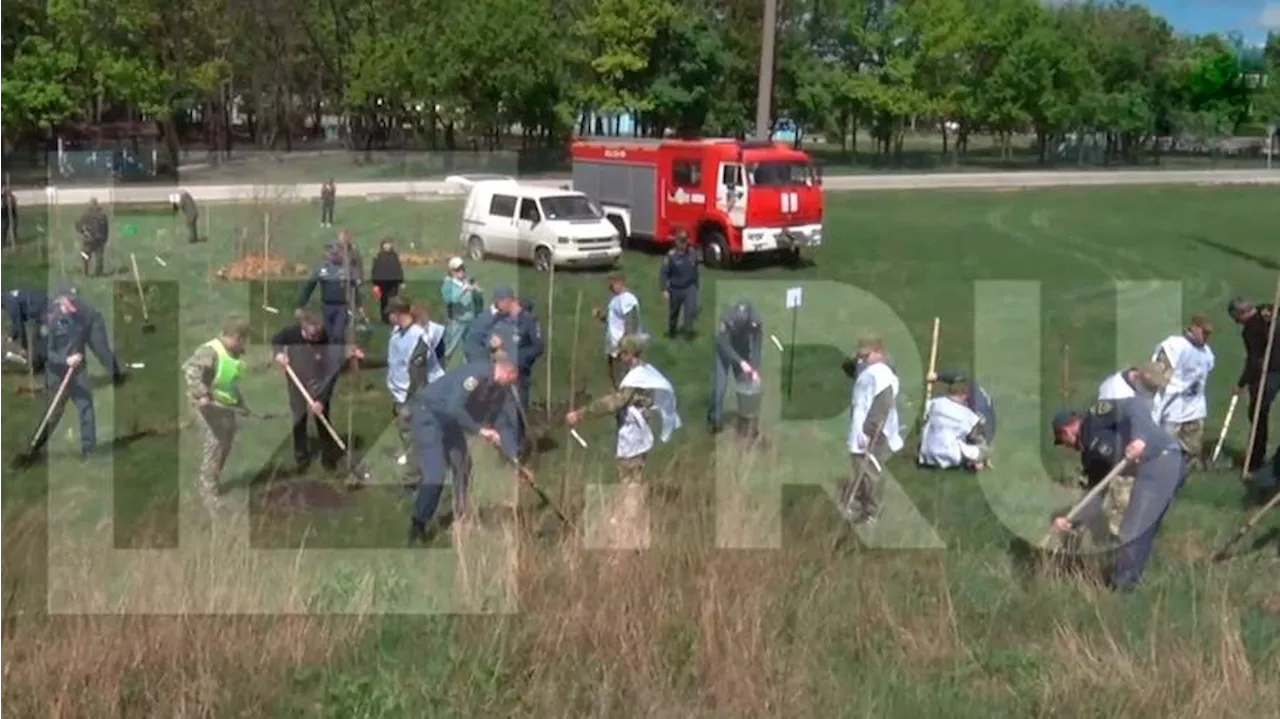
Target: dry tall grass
<point>679,630</point>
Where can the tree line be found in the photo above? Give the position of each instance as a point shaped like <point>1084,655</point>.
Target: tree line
<point>441,74</point>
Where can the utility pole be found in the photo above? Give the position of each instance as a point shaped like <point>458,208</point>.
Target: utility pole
<point>764,92</point>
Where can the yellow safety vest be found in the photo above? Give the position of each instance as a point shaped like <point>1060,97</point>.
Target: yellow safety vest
<point>226,375</point>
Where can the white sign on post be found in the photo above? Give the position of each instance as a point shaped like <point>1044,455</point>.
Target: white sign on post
<point>795,297</point>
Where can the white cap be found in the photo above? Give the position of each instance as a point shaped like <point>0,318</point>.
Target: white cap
<point>455,263</point>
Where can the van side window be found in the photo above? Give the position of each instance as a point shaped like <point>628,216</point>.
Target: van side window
<point>529,210</point>
<point>502,206</point>
<point>686,173</point>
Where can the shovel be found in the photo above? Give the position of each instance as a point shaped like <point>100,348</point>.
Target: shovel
<point>1248,526</point>
<point>1098,489</point>
<point>1222,434</point>
<point>37,439</point>
<point>523,472</point>
<point>359,475</point>
<point>147,327</point>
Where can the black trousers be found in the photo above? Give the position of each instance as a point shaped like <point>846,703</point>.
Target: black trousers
<point>193,233</point>
<point>1267,398</point>
<point>329,452</point>
<point>386,290</point>
<point>326,212</point>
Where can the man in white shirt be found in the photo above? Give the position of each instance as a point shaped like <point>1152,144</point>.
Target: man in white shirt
<point>621,318</point>
<point>873,425</point>
<point>953,433</point>
<point>1181,407</point>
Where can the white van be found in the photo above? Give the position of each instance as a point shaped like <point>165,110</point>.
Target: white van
<point>537,224</point>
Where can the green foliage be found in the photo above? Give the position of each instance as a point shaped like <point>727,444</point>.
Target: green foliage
<point>491,67</point>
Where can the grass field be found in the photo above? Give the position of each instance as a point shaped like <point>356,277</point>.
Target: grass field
<point>738,608</point>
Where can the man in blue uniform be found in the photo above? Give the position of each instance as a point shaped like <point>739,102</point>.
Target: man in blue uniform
<point>338,292</point>
<point>69,329</point>
<point>679,278</point>
<point>528,348</point>
<point>496,321</point>
<point>25,310</point>
<point>474,399</point>
<point>1124,428</point>
<point>738,347</point>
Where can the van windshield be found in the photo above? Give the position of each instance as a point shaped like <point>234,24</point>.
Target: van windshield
<point>776,174</point>
<point>569,207</point>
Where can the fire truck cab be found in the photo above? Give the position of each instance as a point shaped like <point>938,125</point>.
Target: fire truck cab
<point>732,197</point>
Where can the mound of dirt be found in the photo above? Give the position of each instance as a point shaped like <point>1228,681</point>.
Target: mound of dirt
<point>302,495</point>
<point>537,413</point>
<point>252,267</point>
<point>418,259</point>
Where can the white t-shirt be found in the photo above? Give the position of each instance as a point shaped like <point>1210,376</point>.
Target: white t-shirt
<point>1115,387</point>
<point>871,381</point>
<point>634,436</point>
<point>616,319</point>
<point>945,441</point>
<point>1183,399</point>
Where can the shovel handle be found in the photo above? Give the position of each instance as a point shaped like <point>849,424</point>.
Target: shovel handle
<point>293,376</point>
<point>57,399</point>
<point>137,280</point>
<point>1098,489</point>
<point>1226,424</point>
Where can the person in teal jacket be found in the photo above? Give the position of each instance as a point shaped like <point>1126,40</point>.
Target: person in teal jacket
<point>462,300</point>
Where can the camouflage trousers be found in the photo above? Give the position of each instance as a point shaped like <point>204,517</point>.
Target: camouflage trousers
<point>219,433</point>
<point>1116,502</point>
<point>1190,436</point>
<point>411,472</point>
<point>860,498</point>
<point>628,520</point>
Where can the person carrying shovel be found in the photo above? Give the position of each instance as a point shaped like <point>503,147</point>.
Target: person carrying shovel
<point>1112,430</point>
<point>94,229</point>
<point>69,330</point>
<point>212,376</point>
<point>317,362</point>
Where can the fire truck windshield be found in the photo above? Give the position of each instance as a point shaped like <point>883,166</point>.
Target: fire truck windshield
<point>569,207</point>
<point>777,174</point>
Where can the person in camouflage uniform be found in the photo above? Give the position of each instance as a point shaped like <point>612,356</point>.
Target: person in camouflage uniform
<point>641,389</point>
<point>212,376</point>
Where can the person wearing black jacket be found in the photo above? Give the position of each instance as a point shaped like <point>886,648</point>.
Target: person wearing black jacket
<point>387,275</point>
<point>190,213</point>
<point>94,228</point>
<point>1254,324</point>
<point>9,216</point>
<point>305,348</point>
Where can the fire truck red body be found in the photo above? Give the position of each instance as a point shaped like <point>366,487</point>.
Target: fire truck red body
<point>733,197</point>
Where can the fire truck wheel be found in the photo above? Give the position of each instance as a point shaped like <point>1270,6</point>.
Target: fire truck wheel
<point>542,259</point>
<point>715,249</point>
<point>475,248</point>
<point>791,256</point>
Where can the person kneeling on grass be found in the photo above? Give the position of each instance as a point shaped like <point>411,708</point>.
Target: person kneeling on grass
<point>953,433</point>
<point>642,389</point>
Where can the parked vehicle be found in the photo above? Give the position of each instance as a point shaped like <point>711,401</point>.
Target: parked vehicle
<point>732,197</point>
<point>537,224</point>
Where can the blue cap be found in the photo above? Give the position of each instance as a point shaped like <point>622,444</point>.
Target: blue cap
<point>503,292</point>
<point>64,291</point>
<point>1061,419</point>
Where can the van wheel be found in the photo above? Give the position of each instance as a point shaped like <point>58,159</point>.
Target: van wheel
<point>475,248</point>
<point>623,241</point>
<point>715,248</point>
<point>542,259</point>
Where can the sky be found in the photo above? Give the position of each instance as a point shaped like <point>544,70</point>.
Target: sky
<point>1252,18</point>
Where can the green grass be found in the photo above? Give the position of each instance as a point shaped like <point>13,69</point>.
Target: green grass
<point>775,625</point>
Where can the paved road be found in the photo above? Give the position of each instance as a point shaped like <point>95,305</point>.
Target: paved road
<point>437,189</point>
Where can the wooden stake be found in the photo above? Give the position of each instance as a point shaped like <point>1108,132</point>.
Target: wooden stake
<point>350,339</point>
<point>13,230</point>
<point>551,319</point>
<point>1262,380</point>
<point>573,378</point>
<point>1064,388</point>
<point>933,367</point>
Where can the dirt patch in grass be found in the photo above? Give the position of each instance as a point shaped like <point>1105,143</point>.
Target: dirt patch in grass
<point>252,267</point>
<point>302,494</point>
<point>420,259</point>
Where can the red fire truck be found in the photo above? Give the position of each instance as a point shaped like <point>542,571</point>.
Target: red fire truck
<point>733,197</point>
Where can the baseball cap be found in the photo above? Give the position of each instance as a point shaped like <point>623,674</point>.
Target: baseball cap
<point>68,291</point>
<point>502,292</point>
<point>1061,419</point>
<point>455,263</point>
